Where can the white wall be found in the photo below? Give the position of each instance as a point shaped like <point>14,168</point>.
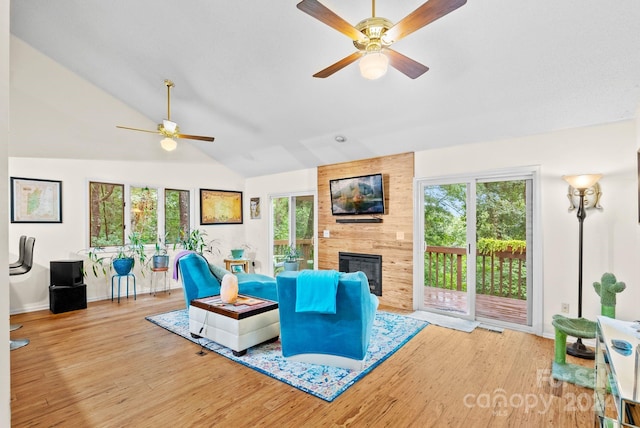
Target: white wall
<point>63,241</point>
<point>611,236</point>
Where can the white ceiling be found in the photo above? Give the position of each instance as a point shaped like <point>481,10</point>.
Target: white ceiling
<point>242,69</point>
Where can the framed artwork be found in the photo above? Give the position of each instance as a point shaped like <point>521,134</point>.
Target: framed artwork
<point>36,201</point>
<point>254,205</point>
<point>220,207</point>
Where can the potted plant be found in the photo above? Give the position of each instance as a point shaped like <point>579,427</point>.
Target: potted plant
<point>243,251</point>
<point>160,257</point>
<point>195,241</point>
<point>291,258</point>
<point>125,259</point>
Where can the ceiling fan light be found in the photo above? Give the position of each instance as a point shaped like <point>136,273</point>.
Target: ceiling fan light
<point>374,65</point>
<point>169,126</point>
<point>168,144</point>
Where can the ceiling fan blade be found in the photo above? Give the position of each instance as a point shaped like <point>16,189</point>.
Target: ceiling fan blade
<point>339,65</point>
<point>325,15</point>
<point>405,64</point>
<point>136,129</point>
<point>194,137</point>
<point>423,15</point>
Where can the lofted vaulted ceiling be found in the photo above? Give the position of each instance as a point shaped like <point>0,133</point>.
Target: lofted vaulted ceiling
<point>243,73</point>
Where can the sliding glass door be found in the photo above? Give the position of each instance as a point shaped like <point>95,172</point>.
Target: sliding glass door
<point>477,233</point>
<point>445,257</point>
<point>293,225</point>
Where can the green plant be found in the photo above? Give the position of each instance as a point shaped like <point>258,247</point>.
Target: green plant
<point>101,262</point>
<point>195,241</point>
<point>161,246</point>
<point>292,254</point>
<point>134,249</point>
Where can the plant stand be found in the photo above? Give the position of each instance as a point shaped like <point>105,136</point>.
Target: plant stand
<point>119,277</point>
<point>156,274</point>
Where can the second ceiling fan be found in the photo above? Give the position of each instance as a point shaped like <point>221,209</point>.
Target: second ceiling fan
<point>373,37</point>
<point>167,128</point>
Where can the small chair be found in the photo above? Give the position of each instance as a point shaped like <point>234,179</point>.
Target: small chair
<point>19,262</point>
<point>21,246</point>
<point>26,259</point>
<point>119,277</point>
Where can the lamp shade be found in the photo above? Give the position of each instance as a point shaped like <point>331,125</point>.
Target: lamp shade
<point>583,181</point>
<point>373,65</point>
<point>168,144</point>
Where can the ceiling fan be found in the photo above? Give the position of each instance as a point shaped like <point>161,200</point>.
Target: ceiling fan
<point>167,128</point>
<point>374,36</point>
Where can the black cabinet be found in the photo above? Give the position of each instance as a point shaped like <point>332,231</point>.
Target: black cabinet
<point>67,292</point>
<point>66,272</point>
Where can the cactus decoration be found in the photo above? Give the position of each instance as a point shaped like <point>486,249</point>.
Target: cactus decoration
<point>607,290</point>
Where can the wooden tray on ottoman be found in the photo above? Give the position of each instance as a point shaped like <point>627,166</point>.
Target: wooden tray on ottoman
<point>239,326</point>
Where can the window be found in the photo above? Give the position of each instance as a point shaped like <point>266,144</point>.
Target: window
<point>106,214</point>
<point>144,213</point>
<point>109,222</point>
<point>176,214</point>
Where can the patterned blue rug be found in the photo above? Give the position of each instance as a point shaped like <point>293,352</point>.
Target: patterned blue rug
<point>390,332</point>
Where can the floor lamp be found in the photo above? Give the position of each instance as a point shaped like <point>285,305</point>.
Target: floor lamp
<point>581,183</point>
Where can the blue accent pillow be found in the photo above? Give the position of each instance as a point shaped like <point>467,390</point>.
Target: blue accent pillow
<point>218,271</point>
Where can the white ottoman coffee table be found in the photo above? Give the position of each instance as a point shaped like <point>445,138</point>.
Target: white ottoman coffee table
<point>239,326</point>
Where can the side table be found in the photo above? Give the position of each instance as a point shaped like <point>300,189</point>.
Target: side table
<point>237,265</point>
<point>155,273</point>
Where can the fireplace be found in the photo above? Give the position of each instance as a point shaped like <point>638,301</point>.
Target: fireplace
<point>370,264</point>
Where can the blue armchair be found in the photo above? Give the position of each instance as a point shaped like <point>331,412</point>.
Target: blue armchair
<point>337,330</point>
<point>200,279</point>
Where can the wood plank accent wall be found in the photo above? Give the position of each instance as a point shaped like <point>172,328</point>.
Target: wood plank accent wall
<point>374,238</point>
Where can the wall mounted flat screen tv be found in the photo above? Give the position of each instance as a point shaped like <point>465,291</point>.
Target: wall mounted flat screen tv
<point>357,195</point>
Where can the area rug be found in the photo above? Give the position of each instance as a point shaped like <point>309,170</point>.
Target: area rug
<point>446,321</point>
<point>390,332</point>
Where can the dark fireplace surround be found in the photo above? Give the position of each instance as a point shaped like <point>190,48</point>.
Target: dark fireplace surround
<point>370,264</point>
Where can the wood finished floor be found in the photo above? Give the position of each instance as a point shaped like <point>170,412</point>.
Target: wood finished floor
<point>108,367</point>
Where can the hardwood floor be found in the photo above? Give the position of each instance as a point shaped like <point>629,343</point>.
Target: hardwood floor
<point>107,366</point>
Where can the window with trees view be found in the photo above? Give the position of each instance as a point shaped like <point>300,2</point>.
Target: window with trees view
<point>109,223</point>
<point>106,214</point>
<point>144,213</point>
<point>177,215</point>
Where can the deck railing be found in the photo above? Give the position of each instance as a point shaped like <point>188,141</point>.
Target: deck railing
<point>500,273</point>
<point>305,246</point>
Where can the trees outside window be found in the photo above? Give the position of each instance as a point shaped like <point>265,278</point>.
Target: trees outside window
<point>144,213</point>
<point>177,214</point>
<point>106,214</point>
<point>109,223</point>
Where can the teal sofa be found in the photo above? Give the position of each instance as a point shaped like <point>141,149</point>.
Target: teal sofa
<point>201,279</point>
<point>326,317</point>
